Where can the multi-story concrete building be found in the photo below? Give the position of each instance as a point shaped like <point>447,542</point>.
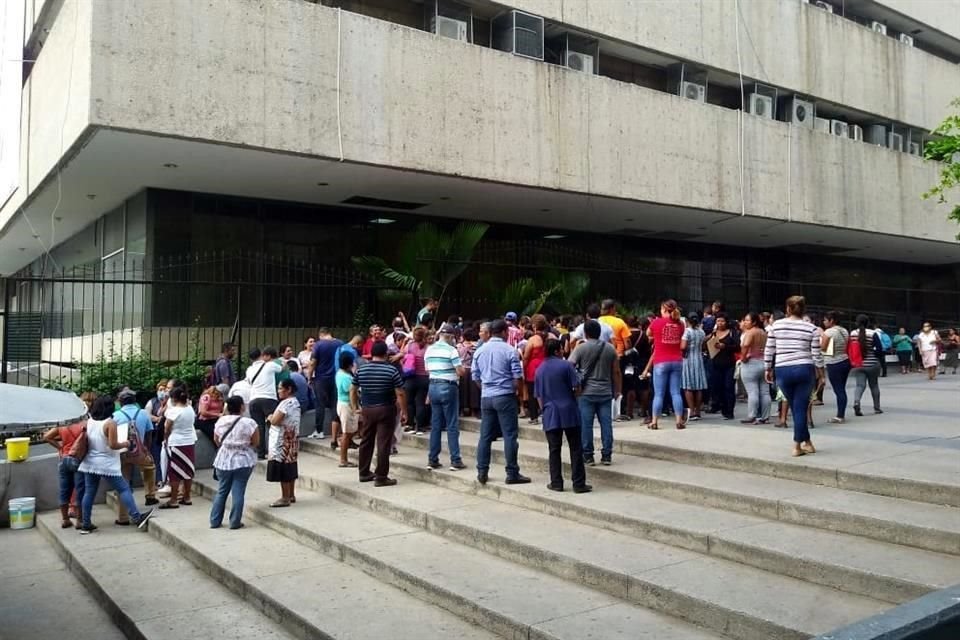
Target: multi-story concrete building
<point>741,149</point>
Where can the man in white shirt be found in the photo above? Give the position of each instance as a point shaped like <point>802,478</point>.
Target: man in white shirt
<point>262,378</point>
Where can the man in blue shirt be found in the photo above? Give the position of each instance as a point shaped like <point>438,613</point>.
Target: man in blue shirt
<point>496,367</point>
<point>323,370</point>
<point>131,414</point>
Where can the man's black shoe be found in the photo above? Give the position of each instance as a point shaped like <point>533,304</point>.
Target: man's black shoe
<point>555,487</point>
<point>584,489</point>
<point>367,478</point>
<point>589,461</point>
<point>482,477</point>
<point>518,479</point>
<point>605,462</point>
<point>384,482</point>
<point>434,465</point>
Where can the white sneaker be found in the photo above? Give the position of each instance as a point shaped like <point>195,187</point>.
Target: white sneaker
<point>315,436</point>
<point>321,436</point>
<point>164,491</point>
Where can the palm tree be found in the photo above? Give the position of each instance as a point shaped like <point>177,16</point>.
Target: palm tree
<point>429,259</point>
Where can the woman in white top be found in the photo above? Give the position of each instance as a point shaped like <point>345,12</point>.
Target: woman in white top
<point>307,353</point>
<point>928,341</point>
<point>103,461</point>
<point>793,352</point>
<point>180,438</point>
<point>238,438</point>
<point>833,343</point>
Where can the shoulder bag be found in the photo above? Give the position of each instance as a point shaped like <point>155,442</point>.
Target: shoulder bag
<point>225,434</point>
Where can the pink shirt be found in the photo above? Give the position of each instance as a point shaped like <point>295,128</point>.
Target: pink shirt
<point>417,352</point>
<point>666,340</point>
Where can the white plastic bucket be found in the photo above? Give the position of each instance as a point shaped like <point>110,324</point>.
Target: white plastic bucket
<point>22,512</point>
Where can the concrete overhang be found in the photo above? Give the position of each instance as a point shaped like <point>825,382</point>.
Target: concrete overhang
<point>112,165</point>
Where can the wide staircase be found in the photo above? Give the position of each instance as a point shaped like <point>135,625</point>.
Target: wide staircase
<point>683,548</point>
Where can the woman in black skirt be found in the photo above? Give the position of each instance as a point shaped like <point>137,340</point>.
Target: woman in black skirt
<point>283,445</point>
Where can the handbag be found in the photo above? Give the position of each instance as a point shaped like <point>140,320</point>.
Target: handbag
<point>78,449</point>
<point>225,434</point>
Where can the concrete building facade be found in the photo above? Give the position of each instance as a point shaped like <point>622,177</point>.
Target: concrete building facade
<point>629,123</point>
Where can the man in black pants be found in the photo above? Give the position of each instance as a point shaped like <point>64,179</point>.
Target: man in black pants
<point>262,378</point>
<point>376,389</point>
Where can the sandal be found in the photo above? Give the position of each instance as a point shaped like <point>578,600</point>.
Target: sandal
<point>681,426</point>
<point>344,465</point>
<point>652,427</point>
<point>186,503</point>
<point>808,448</point>
<point>781,425</point>
<point>798,452</point>
<point>66,524</point>
<point>293,500</point>
<point>280,503</point>
<point>169,505</point>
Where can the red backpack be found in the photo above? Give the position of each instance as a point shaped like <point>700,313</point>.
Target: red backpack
<point>854,353</point>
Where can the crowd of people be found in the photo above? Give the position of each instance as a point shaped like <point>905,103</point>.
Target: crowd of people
<point>564,375</point>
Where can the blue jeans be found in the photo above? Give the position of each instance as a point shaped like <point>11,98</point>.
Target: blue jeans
<point>444,413</point>
<point>234,483</point>
<point>92,483</point>
<point>599,406</point>
<point>70,480</point>
<point>838,372</point>
<point>667,375</point>
<point>499,411</point>
<point>797,382</point>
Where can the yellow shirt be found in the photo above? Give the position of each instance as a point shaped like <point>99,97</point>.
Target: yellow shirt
<point>621,332</point>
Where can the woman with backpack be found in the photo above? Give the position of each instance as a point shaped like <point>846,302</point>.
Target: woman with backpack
<point>833,343</point>
<point>865,350</point>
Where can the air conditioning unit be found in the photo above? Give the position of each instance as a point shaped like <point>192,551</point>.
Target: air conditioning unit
<point>895,141</point>
<point>914,148</point>
<point>821,124</point>
<point>799,112</point>
<point>450,28</point>
<point>877,134</point>
<point>761,105</point>
<point>824,5</point>
<point>579,61</point>
<point>906,39</point>
<point>693,91</point>
<point>518,33</point>
<point>839,128</point>
<point>856,132</point>
<point>879,27</point>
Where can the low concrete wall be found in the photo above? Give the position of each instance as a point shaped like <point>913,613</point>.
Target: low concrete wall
<point>35,477</point>
<point>935,616</point>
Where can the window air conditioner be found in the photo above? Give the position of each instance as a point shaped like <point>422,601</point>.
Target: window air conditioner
<point>879,27</point>
<point>906,39</point>
<point>800,112</point>
<point>761,105</point>
<point>579,61</point>
<point>877,134</point>
<point>824,5</point>
<point>693,91</point>
<point>895,141</point>
<point>839,128</point>
<point>518,33</point>
<point>450,28</point>
<point>822,124</point>
<point>856,132</point>
<point>915,148</point>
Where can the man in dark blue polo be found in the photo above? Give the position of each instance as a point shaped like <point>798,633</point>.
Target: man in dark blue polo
<point>496,367</point>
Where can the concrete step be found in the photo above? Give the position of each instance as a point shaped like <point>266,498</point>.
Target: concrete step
<point>491,593</point>
<point>880,570</point>
<point>629,438</point>
<point>893,520</point>
<point>38,593</point>
<point>309,593</point>
<point>148,589</point>
<point>677,582</point>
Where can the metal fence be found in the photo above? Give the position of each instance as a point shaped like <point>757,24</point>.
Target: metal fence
<point>175,308</point>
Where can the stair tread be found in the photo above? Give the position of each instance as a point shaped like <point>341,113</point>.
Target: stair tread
<point>922,567</point>
<point>318,588</point>
<point>116,558</point>
<point>519,593</point>
<point>799,605</point>
<point>791,492</point>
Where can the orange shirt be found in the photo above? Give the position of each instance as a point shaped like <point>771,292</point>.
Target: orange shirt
<point>621,332</point>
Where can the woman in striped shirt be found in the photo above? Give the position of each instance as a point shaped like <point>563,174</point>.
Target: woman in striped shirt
<point>793,353</point>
